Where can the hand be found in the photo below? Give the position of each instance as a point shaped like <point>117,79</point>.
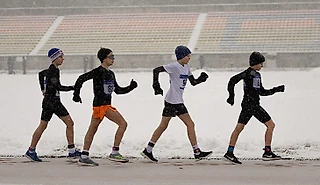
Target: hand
<point>157,89</point>
<point>133,84</point>
<point>280,88</point>
<point>230,100</point>
<point>203,77</point>
<point>76,98</point>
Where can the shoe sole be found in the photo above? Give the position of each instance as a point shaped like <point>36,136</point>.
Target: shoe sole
<point>228,160</point>
<point>271,159</point>
<point>119,160</point>
<point>72,160</point>
<point>31,159</point>
<point>145,156</point>
<point>86,164</point>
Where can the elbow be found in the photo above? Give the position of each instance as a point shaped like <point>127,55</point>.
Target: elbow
<point>157,70</point>
<point>154,70</point>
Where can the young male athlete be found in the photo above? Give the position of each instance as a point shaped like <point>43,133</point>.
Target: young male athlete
<point>179,73</point>
<point>104,84</point>
<point>49,80</point>
<point>253,88</point>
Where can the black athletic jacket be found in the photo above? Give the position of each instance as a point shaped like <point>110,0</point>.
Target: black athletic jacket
<point>49,80</point>
<point>252,87</point>
<point>104,83</point>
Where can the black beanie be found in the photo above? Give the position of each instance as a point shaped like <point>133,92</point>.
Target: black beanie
<point>181,52</point>
<point>103,53</point>
<point>256,58</point>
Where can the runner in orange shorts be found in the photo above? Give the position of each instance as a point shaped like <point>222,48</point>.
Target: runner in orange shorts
<point>104,83</point>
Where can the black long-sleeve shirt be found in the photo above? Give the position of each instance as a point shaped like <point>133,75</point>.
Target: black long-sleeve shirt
<point>104,83</point>
<point>49,80</point>
<point>252,87</point>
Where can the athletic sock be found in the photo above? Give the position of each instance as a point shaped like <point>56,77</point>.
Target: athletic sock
<point>267,149</point>
<point>31,150</point>
<point>115,150</point>
<point>196,149</point>
<point>71,148</point>
<point>150,146</point>
<point>84,154</point>
<point>230,149</point>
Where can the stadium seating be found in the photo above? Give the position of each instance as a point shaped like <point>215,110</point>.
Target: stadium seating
<point>222,32</point>
<point>269,31</point>
<point>20,34</point>
<point>131,33</point>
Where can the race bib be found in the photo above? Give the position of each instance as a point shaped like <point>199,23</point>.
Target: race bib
<point>108,86</point>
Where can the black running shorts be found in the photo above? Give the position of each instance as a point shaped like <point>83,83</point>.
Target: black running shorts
<point>256,111</point>
<point>52,106</point>
<point>172,110</point>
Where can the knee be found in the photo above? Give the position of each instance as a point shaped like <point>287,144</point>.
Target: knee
<point>270,125</point>
<point>123,125</point>
<point>70,123</point>
<point>43,125</point>
<point>190,125</point>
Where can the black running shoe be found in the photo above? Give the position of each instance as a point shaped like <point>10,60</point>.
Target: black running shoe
<point>149,156</point>
<point>202,155</point>
<point>230,157</point>
<point>270,156</point>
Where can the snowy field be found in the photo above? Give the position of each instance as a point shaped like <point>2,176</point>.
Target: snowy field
<point>296,134</point>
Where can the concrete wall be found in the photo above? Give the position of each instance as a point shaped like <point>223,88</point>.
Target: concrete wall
<point>147,62</point>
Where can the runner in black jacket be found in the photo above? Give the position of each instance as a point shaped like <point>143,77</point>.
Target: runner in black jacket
<point>50,85</point>
<point>253,88</point>
<point>104,83</point>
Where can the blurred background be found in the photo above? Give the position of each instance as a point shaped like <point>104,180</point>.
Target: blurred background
<point>144,33</point>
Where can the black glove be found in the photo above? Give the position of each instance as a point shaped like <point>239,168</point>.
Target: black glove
<point>230,100</point>
<point>157,89</point>
<point>203,77</point>
<point>76,98</point>
<point>280,88</point>
<point>133,84</point>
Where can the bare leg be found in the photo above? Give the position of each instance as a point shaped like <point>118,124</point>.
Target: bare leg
<point>235,134</point>
<point>37,133</point>
<point>269,132</point>
<point>93,127</point>
<point>69,128</point>
<point>190,128</point>
<point>117,118</point>
<point>160,129</point>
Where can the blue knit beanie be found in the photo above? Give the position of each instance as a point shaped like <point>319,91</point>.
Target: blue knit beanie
<point>54,53</point>
<point>181,52</point>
